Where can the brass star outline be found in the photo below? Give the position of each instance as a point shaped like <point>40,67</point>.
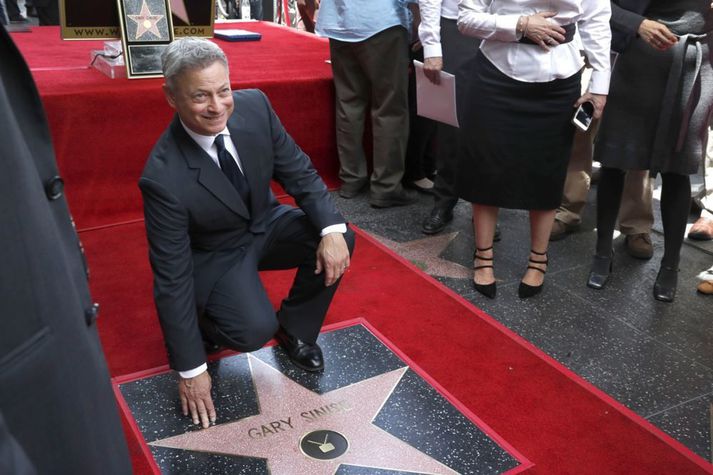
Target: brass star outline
<point>146,22</point>
<point>279,398</point>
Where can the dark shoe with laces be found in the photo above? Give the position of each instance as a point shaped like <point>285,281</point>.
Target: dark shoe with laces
<point>400,197</point>
<point>491,289</point>
<point>525,291</point>
<point>352,190</point>
<point>436,221</point>
<point>306,356</point>
<point>666,283</point>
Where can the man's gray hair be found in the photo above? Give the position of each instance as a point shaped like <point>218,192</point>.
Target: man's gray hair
<point>189,53</point>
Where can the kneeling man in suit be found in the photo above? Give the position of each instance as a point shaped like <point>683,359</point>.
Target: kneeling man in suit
<point>212,223</point>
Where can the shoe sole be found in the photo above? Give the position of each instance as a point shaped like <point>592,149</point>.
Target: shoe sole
<point>307,368</point>
<point>389,204</point>
<point>700,237</point>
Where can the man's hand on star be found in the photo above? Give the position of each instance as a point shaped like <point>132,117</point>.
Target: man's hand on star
<point>332,257</point>
<point>196,399</point>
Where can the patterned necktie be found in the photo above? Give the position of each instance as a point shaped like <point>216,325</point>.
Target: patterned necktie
<point>232,171</point>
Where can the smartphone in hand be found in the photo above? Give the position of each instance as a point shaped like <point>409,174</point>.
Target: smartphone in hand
<point>583,116</point>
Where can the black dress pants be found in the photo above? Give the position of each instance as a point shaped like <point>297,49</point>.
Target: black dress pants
<point>239,311</point>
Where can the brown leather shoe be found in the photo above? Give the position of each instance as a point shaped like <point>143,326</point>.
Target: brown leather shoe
<point>639,246</point>
<point>702,230</point>
<point>560,230</point>
<point>705,287</point>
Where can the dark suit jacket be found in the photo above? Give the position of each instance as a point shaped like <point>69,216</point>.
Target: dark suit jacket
<point>198,226</point>
<point>626,16</point>
<point>55,396</point>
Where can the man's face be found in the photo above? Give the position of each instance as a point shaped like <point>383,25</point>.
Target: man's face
<point>202,98</point>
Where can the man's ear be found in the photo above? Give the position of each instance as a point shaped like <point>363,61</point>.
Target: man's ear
<point>169,95</point>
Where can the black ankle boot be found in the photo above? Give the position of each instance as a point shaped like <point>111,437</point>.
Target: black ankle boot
<point>601,269</point>
<point>665,285</point>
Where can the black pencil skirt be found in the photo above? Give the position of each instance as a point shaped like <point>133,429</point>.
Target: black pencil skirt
<point>515,139</point>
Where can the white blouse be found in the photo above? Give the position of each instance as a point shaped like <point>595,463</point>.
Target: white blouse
<point>429,31</point>
<point>495,21</point>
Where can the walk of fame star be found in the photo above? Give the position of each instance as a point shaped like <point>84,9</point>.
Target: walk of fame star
<point>424,253</point>
<point>292,415</point>
<point>146,22</point>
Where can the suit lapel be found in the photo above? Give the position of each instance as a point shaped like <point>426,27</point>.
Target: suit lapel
<point>209,175</point>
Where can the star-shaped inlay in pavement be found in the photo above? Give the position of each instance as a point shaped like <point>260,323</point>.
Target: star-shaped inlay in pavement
<point>425,253</point>
<point>290,412</point>
<point>146,22</point>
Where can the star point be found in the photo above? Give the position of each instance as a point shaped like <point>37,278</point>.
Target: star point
<point>424,253</point>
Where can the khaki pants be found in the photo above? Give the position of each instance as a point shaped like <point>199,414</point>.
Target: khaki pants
<point>372,73</point>
<point>636,212</point>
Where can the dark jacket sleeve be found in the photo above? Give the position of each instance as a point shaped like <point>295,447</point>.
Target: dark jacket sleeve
<point>12,457</point>
<point>171,260</point>
<point>626,17</point>
<point>293,169</point>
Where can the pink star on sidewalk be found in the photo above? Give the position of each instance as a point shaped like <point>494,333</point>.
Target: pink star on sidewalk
<point>289,412</point>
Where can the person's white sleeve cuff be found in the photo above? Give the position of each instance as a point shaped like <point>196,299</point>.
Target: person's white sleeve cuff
<point>600,82</point>
<point>506,27</point>
<point>192,373</point>
<point>335,228</point>
<point>432,51</point>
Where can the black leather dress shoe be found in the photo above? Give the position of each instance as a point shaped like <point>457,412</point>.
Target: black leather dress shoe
<point>601,269</point>
<point>436,221</point>
<point>307,356</point>
<point>666,283</point>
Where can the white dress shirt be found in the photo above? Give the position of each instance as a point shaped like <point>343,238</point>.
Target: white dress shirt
<point>207,143</point>
<point>495,21</point>
<point>429,31</point>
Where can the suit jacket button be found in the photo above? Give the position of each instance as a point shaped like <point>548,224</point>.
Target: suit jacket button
<point>91,313</point>
<point>54,187</point>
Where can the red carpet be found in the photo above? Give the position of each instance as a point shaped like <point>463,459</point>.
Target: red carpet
<point>552,417</point>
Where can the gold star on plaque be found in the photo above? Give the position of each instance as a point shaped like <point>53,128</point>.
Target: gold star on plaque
<point>146,22</point>
<point>337,425</point>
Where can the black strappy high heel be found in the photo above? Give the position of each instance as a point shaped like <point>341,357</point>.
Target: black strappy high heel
<point>489,290</point>
<point>525,290</point>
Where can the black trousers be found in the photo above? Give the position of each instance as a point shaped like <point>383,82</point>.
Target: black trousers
<point>458,50</point>
<point>239,314</point>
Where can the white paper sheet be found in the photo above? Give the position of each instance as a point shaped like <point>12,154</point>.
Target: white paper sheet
<point>436,101</point>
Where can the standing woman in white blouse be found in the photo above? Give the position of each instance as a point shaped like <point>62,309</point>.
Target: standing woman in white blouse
<point>516,128</point>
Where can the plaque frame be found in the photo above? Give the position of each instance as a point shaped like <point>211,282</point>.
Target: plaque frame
<point>89,31</point>
<point>142,55</point>
<point>112,29</point>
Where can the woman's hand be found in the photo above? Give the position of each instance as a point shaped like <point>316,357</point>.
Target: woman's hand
<point>597,100</point>
<point>657,35</point>
<point>543,32</point>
